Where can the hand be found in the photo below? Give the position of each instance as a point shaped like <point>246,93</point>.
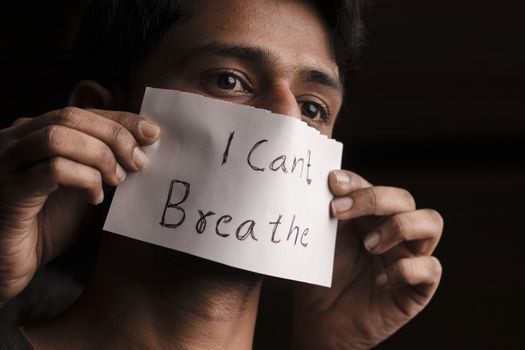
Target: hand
<point>384,273</point>
<point>52,171</point>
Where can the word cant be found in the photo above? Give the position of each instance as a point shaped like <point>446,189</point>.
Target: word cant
<point>280,163</point>
<point>174,216</point>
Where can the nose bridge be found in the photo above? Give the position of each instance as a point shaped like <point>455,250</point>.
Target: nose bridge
<point>280,99</point>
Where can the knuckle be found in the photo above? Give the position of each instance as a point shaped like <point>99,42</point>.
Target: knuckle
<point>119,117</point>
<point>107,159</point>
<point>399,225</point>
<point>129,120</point>
<point>68,115</point>
<point>52,136</point>
<point>406,270</point>
<point>369,200</point>
<point>119,134</point>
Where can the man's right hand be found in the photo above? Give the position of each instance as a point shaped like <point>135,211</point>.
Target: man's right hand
<point>52,169</point>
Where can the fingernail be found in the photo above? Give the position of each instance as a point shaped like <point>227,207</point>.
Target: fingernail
<point>148,129</point>
<point>342,204</point>
<point>120,172</point>
<point>140,158</point>
<point>342,178</point>
<point>381,280</point>
<point>372,240</point>
<point>100,197</point>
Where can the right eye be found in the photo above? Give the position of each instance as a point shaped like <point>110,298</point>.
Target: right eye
<point>227,84</point>
<point>229,81</point>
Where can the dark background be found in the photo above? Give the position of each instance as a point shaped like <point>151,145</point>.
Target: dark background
<point>438,108</point>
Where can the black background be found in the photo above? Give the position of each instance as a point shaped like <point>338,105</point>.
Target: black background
<point>438,108</point>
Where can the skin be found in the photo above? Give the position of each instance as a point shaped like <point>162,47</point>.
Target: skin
<point>379,284</point>
<point>71,152</point>
<point>79,150</point>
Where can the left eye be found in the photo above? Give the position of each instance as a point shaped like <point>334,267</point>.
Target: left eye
<point>312,110</point>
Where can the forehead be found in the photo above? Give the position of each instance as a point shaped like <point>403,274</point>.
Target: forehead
<point>291,31</point>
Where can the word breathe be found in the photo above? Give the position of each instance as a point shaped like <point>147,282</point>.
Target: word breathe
<point>174,215</point>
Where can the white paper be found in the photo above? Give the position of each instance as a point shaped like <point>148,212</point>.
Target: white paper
<point>189,159</point>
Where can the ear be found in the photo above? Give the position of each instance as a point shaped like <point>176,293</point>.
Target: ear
<point>90,94</point>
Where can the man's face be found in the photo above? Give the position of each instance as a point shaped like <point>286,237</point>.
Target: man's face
<point>271,54</point>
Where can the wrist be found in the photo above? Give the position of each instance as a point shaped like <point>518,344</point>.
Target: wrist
<point>312,330</point>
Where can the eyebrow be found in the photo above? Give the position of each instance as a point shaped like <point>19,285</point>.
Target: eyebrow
<point>260,56</point>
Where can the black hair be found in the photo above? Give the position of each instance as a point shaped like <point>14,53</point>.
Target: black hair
<point>117,35</point>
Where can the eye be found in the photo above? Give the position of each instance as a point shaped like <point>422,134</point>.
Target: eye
<point>313,110</point>
<point>226,84</point>
<point>228,81</point>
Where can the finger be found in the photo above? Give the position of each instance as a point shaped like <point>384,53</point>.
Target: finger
<point>45,177</point>
<point>376,200</point>
<point>421,270</point>
<point>421,228</point>
<point>63,142</point>
<point>123,132</point>
<point>146,132</point>
<point>20,121</point>
<point>6,135</point>
<point>342,182</point>
<point>11,131</point>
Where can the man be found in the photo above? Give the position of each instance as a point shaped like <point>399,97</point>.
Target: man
<point>286,56</point>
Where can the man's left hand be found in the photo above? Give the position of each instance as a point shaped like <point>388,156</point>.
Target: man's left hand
<point>384,271</point>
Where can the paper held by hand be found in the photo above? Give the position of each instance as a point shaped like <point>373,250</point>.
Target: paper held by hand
<point>233,184</point>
